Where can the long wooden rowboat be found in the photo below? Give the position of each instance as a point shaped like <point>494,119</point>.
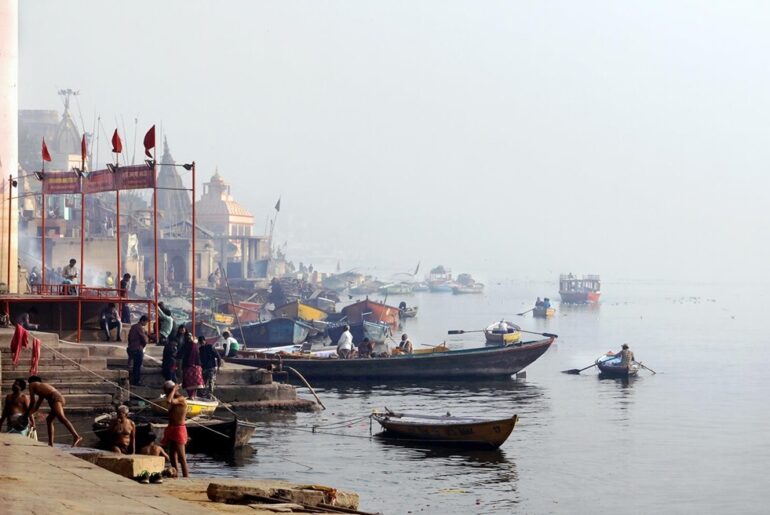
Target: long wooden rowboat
<point>609,366</point>
<point>480,363</point>
<point>447,430</point>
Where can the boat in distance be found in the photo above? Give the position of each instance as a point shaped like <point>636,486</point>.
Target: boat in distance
<point>609,366</point>
<point>447,430</point>
<point>543,312</point>
<point>467,364</point>
<point>579,290</point>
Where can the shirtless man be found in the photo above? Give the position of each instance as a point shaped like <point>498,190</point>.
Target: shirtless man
<point>15,408</point>
<point>55,400</point>
<point>153,449</point>
<point>175,436</point>
<point>124,433</point>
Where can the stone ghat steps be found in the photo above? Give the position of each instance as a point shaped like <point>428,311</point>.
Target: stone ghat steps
<point>70,387</point>
<point>58,364</point>
<point>75,376</point>
<point>71,351</point>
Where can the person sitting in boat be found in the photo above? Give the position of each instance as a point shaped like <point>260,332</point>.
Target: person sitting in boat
<point>405,346</point>
<point>546,303</point>
<point>626,356</point>
<point>501,328</point>
<point>365,348</point>
<point>345,344</point>
<point>228,344</point>
<point>402,306</point>
<point>538,303</point>
<point>123,433</point>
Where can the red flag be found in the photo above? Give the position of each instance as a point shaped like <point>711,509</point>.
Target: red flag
<point>149,141</point>
<point>44,151</point>
<point>83,150</point>
<point>117,145</point>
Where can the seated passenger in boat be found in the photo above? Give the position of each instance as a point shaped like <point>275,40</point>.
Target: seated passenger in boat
<point>626,356</point>
<point>538,303</point>
<point>501,328</point>
<point>365,348</point>
<point>123,433</point>
<point>345,344</point>
<point>546,303</point>
<point>405,346</point>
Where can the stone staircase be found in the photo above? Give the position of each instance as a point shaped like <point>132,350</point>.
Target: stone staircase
<point>64,366</point>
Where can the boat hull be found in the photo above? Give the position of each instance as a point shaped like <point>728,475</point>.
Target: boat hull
<point>468,290</point>
<point>471,364</point>
<point>543,312</point>
<point>580,297</point>
<point>481,434</point>
<point>376,333</point>
<point>371,311</point>
<point>195,408</point>
<point>609,366</point>
<point>275,332</point>
<point>299,311</point>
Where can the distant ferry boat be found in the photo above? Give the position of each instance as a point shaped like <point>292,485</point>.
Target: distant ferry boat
<point>579,290</point>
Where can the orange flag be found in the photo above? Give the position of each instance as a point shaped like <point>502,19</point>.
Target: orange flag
<point>44,152</point>
<point>117,145</point>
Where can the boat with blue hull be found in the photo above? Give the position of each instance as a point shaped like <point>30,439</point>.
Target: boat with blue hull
<point>375,331</point>
<point>275,332</point>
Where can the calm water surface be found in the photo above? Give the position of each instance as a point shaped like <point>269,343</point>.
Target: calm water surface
<point>690,439</point>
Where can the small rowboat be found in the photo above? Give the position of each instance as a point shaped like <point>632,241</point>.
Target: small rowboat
<point>609,366</point>
<point>409,312</point>
<point>502,333</point>
<point>543,312</point>
<point>446,429</point>
<point>195,407</point>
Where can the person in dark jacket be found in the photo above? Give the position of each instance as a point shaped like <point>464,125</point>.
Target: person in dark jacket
<point>210,361</point>
<point>137,341</point>
<point>168,365</point>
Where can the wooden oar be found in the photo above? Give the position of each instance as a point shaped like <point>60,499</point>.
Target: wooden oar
<point>577,370</point>
<point>645,366</point>
<point>462,331</point>
<point>525,312</point>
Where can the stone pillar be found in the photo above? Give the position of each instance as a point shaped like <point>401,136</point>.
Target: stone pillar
<point>9,136</point>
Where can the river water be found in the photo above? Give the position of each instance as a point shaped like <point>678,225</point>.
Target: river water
<point>691,439</point>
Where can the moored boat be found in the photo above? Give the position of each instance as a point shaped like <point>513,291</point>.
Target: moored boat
<point>376,332</point>
<point>502,333</point>
<point>195,407</point>
<point>409,312</point>
<point>498,362</point>
<point>448,429</point>
<point>475,288</point>
<point>275,332</point>
<point>579,290</point>
<point>206,434</point>
<point>397,289</point>
<point>543,312</point>
<point>372,311</point>
<point>299,311</point>
<point>609,366</point>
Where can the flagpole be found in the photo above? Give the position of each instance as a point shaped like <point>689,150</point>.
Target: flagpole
<point>82,235</point>
<point>42,243</point>
<point>155,237</point>
<point>10,214</point>
<point>117,224</point>
<point>193,247</point>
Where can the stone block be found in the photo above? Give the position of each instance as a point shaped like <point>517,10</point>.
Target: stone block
<point>128,465</point>
<point>240,492</point>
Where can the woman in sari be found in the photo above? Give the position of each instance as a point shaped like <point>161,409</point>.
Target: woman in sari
<point>192,371</point>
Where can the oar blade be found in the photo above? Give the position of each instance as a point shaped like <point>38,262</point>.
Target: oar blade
<point>574,371</point>
<point>455,331</point>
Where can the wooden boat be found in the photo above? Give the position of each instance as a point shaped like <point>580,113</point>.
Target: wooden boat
<point>206,434</point>
<point>542,312</point>
<point>475,288</point>
<point>409,312</point>
<point>195,407</point>
<point>397,289</point>
<point>376,332</point>
<point>448,429</point>
<point>499,362</point>
<point>502,333</point>
<point>420,287</point>
<point>609,366</point>
<point>372,311</point>
<point>278,331</point>
<point>299,311</point>
<point>441,286</point>
<point>582,290</point>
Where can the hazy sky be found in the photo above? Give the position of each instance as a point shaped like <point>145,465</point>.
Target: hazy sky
<point>514,139</point>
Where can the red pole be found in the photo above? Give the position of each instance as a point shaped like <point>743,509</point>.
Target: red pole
<point>82,241</point>
<point>10,214</point>
<point>155,241</point>
<point>119,273</point>
<point>42,243</point>
<point>193,246</point>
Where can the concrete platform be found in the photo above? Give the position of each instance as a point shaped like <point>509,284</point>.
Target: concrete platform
<point>38,479</point>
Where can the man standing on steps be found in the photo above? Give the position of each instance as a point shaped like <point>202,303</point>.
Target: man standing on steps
<point>44,391</point>
<point>137,341</point>
<point>175,435</point>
